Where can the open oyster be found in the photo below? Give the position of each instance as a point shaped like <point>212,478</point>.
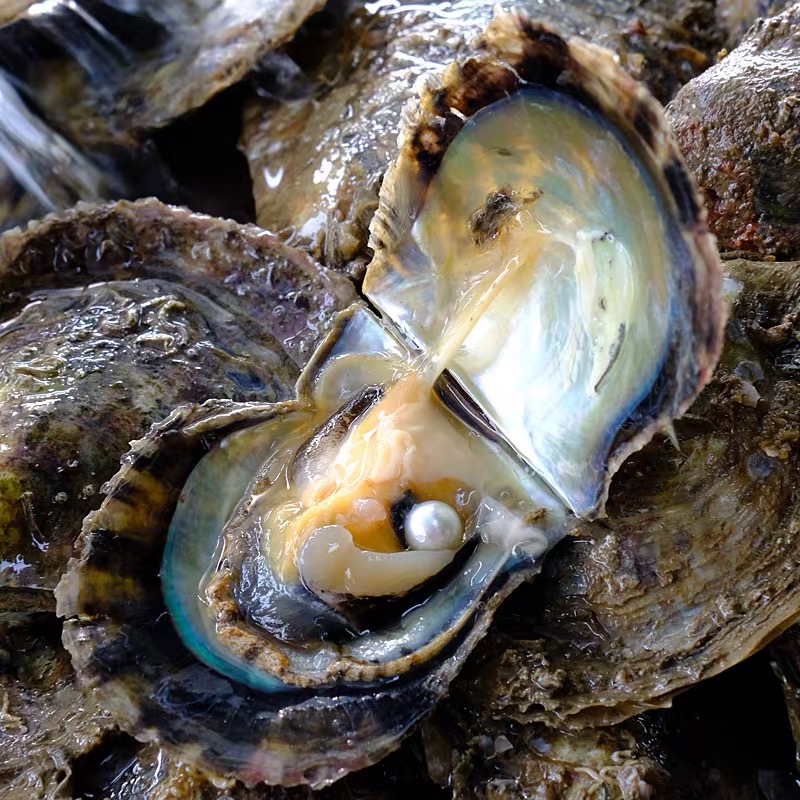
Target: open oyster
<point>549,299</point>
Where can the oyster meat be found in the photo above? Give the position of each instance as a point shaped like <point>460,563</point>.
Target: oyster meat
<point>548,298</point>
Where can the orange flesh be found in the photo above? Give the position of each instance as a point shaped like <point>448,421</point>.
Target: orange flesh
<point>382,458</point>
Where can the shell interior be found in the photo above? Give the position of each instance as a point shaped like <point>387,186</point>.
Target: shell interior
<point>543,233</point>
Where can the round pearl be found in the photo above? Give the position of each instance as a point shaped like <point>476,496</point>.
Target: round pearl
<point>433,525</point>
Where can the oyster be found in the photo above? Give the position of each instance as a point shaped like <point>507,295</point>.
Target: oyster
<point>128,310</point>
<point>46,721</point>
<point>736,16</point>
<point>317,159</point>
<point>107,74</point>
<point>737,126</point>
<point>328,563</point>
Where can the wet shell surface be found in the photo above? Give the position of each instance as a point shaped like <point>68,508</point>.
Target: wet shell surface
<point>128,310</point>
<point>279,592</point>
<point>124,69</point>
<point>738,126</point>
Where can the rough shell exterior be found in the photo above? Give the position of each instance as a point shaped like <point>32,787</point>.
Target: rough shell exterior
<point>218,309</point>
<point>738,126</point>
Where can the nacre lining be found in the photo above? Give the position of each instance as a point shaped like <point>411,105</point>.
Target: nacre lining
<point>540,199</point>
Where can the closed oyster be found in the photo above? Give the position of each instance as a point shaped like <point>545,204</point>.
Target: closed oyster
<point>110,72</point>
<point>737,125</point>
<point>317,159</point>
<point>113,315</point>
<point>328,563</point>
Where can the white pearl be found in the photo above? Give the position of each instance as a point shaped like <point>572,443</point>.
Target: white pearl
<point>433,525</point>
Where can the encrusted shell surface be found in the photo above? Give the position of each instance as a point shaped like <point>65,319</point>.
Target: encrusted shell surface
<point>738,126</point>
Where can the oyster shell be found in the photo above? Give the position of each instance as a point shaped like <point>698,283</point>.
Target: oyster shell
<point>737,126</point>
<point>108,74</point>
<point>126,311</point>
<point>723,738</point>
<point>317,160</point>
<point>295,666</point>
<point>46,721</point>
<point>692,570</point>
<point>736,16</point>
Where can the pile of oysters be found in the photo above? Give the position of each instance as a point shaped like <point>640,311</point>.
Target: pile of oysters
<point>395,397</point>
